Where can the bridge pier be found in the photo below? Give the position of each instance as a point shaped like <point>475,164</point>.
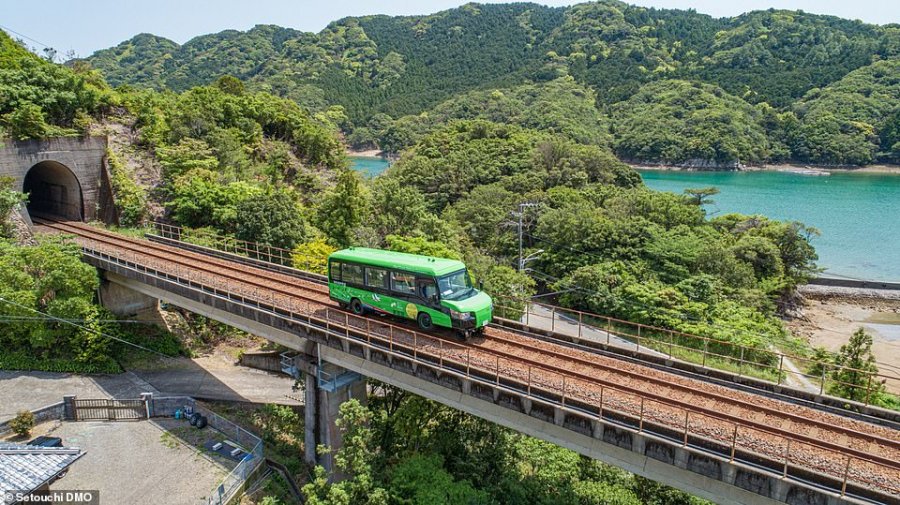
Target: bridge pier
<point>326,390</point>
<point>122,301</point>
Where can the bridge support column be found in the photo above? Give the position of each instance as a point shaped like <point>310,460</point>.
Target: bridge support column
<point>122,301</point>
<point>326,391</point>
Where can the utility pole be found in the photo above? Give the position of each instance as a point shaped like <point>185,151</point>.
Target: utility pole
<point>521,215</point>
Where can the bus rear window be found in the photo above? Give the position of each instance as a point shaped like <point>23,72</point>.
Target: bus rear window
<point>335,271</point>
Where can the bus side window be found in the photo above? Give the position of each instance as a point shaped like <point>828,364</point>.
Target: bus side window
<point>335,271</point>
<point>352,273</point>
<point>403,283</point>
<point>376,278</point>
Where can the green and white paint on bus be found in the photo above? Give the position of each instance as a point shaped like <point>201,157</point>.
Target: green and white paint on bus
<point>431,291</point>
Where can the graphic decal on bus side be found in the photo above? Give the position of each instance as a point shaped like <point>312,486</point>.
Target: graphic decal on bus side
<point>411,310</point>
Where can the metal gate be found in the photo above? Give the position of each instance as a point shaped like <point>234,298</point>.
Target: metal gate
<point>109,410</point>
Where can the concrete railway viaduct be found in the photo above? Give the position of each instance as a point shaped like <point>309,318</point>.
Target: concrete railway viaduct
<point>67,178</point>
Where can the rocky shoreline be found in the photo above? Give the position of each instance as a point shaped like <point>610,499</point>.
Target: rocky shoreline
<point>797,169</point>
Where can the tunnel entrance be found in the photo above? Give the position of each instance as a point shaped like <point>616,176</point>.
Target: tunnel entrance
<point>53,190</point>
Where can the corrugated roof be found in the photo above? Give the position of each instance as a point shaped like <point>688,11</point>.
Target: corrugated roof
<point>26,467</point>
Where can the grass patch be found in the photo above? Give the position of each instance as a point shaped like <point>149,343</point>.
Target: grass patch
<point>149,336</point>
<point>22,361</point>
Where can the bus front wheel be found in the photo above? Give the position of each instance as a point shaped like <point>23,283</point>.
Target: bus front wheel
<point>356,306</point>
<point>424,321</point>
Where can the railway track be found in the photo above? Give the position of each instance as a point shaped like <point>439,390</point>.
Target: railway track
<point>628,387</point>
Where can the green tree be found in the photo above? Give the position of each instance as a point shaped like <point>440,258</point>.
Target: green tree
<point>702,196</point>
<point>187,155</point>
<point>343,208</point>
<point>273,218</point>
<point>9,200</point>
<point>397,209</point>
<point>511,290</point>
<point>199,199</point>
<point>230,84</point>
<point>422,480</point>
<point>23,423</point>
<point>26,122</point>
<point>421,246</point>
<point>855,366</point>
<point>49,277</point>
<point>313,256</point>
<point>355,458</point>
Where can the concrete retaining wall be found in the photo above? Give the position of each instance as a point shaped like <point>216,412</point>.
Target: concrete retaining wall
<point>267,360</point>
<point>43,414</point>
<point>850,283</point>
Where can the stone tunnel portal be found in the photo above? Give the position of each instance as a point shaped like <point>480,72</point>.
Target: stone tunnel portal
<point>53,190</point>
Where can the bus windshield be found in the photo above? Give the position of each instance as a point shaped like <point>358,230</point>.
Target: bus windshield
<point>455,286</point>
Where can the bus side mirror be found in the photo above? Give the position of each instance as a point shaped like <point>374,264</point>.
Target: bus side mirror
<point>434,298</point>
<point>480,285</point>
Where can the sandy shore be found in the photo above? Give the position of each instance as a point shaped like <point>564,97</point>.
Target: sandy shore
<point>829,318</point>
<point>369,153</point>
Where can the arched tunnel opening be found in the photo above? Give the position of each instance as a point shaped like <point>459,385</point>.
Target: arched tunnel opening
<point>53,191</point>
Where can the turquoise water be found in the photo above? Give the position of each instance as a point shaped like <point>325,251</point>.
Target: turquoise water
<point>368,165</point>
<point>857,213</point>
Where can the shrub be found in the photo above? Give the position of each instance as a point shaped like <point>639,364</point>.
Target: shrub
<point>22,423</point>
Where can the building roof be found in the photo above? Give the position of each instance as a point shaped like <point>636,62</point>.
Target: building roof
<point>427,265</point>
<point>28,467</point>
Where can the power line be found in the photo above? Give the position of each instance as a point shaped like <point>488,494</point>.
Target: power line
<point>84,328</point>
<point>6,318</point>
<point>10,30</point>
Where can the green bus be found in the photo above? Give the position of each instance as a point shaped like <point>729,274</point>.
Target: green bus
<point>432,291</point>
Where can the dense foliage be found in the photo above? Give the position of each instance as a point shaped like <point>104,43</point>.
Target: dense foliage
<point>561,106</point>
<point>679,121</point>
<point>9,201</point>
<point>608,244</point>
<point>39,98</point>
<point>841,123</point>
<point>45,281</point>
<point>405,449</point>
<point>413,69</point>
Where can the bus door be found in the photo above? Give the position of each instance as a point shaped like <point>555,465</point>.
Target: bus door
<point>426,289</point>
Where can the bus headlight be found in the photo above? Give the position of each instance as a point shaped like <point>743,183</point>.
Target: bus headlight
<point>462,316</point>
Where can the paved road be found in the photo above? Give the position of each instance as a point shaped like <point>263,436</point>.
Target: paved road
<point>213,377</point>
<point>543,318</point>
<point>216,377</point>
<point>33,390</point>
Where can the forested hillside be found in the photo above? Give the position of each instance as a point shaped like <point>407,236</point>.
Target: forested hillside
<point>381,69</point>
<point>242,134</point>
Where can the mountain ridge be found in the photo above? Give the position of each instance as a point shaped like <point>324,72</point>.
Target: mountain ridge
<point>406,65</point>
